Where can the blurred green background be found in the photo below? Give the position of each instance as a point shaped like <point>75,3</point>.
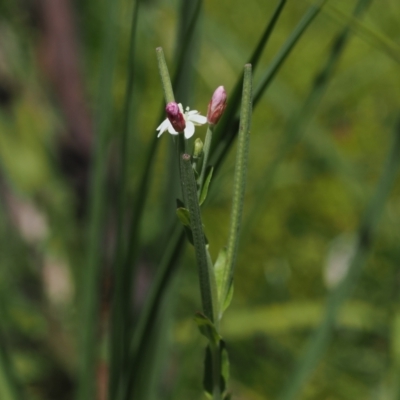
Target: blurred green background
<point>303,235</point>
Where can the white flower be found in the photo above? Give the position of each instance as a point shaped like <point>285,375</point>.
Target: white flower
<point>192,119</point>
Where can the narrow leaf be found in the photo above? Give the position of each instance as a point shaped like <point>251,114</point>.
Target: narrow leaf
<point>207,328</point>
<point>204,189</point>
<point>183,215</point>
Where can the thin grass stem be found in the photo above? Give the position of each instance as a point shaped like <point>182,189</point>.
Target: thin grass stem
<point>97,202</point>
<point>267,78</point>
<point>233,105</point>
<point>298,123</point>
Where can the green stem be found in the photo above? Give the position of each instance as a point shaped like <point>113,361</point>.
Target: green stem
<point>206,152</point>
<point>216,370</point>
<point>165,78</point>
<point>190,190</point>
<point>143,189</point>
<point>239,184</point>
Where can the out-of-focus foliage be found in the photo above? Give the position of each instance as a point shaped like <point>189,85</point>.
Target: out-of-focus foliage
<point>287,260</point>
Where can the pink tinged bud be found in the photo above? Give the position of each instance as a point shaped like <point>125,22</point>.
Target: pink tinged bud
<point>175,116</point>
<point>216,106</point>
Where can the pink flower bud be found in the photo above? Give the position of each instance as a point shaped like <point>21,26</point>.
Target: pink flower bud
<point>216,106</point>
<point>175,116</point>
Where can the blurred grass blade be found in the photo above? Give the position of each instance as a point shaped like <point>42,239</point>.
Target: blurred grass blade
<point>297,124</point>
<point>91,286</point>
<point>236,95</point>
<point>320,340</point>
<point>9,388</point>
<point>239,187</point>
<point>120,312</point>
<point>144,327</point>
<point>286,49</point>
<point>269,74</point>
<point>376,39</point>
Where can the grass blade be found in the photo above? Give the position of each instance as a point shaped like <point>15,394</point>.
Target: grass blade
<point>269,75</point>
<point>97,202</point>
<point>297,124</point>
<point>235,97</point>
<point>120,314</point>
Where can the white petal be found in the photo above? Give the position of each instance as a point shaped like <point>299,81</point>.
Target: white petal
<point>180,108</point>
<point>198,119</point>
<point>189,130</point>
<point>171,129</point>
<point>193,112</point>
<point>163,127</point>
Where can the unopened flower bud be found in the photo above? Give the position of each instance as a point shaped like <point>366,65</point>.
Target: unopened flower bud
<point>198,148</point>
<point>216,106</point>
<point>175,116</point>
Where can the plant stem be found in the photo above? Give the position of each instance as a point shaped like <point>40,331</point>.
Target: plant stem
<point>216,370</point>
<point>239,184</point>
<point>206,152</point>
<point>190,189</point>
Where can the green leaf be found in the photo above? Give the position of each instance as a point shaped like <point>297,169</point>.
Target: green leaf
<point>220,272</point>
<point>183,215</point>
<point>204,189</point>
<point>207,328</point>
<point>228,298</point>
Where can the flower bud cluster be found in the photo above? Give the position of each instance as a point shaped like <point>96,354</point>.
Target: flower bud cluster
<point>179,121</point>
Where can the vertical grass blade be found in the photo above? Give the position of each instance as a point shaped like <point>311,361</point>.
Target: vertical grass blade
<point>286,49</point>
<point>297,124</point>
<point>268,77</point>
<point>9,388</point>
<point>320,340</point>
<point>121,300</point>
<point>234,98</point>
<point>168,264</point>
<point>239,184</point>
<point>90,290</point>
